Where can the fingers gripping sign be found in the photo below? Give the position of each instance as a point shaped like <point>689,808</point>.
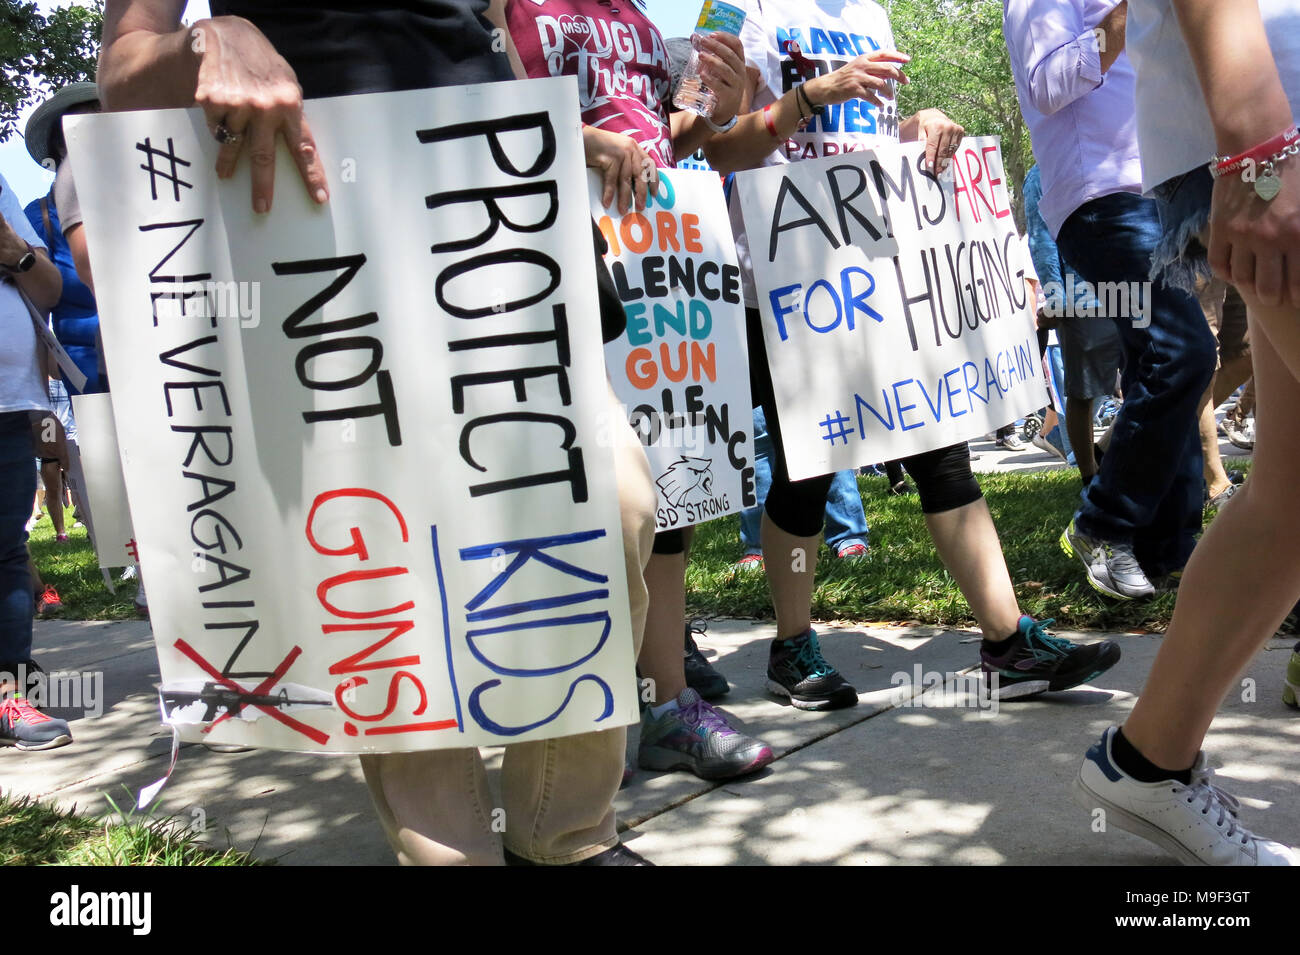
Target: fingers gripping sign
<point>251,97</point>
<point>626,170</point>
<point>942,137</point>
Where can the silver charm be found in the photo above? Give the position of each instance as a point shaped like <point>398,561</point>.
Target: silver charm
<point>1268,186</point>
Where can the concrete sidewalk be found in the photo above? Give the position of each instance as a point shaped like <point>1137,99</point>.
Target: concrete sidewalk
<point>944,782</point>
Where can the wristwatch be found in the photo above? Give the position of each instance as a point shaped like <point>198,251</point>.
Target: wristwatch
<point>720,128</point>
<point>25,263</point>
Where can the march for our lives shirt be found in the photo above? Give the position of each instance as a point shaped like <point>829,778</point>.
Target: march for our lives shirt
<point>829,34</point>
<point>620,61</point>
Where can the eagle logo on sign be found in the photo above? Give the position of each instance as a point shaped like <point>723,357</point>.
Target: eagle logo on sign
<point>683,477</point>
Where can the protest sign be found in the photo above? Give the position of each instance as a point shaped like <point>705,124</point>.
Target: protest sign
<point>360,440</point>
<point>894,305</point>
<point>75,478</point>
<point>681,366</point>
<point>104,491</point>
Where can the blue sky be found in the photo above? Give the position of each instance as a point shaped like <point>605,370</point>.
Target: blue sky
<point>29,181</point>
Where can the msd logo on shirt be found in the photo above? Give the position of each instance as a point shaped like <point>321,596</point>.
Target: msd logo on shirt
<point>619,60</point>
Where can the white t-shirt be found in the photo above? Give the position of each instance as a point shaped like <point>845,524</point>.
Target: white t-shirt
<point>22,386</point>
<point>1174,130</point>
<point>829,33</point>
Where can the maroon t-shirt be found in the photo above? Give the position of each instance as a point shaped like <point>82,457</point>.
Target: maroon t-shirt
<point>619,59</point>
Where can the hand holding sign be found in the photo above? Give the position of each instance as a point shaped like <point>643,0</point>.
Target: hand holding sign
<point>250,94</point>
<point>941,135</point>
<point>625,169</point>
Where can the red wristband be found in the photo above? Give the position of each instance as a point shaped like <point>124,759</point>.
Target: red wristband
<point>771,125</point>
<point>1264,152</point>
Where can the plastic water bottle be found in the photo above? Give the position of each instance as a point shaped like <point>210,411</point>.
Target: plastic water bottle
<point>715,17</point>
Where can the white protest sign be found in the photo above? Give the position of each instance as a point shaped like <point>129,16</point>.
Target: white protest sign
<point>104,493</point>
<point>681,367</point>
<point>361,441</point>
<point>894,305</point>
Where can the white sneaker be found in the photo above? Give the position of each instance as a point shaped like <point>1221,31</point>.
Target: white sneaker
<point>1197,823</point>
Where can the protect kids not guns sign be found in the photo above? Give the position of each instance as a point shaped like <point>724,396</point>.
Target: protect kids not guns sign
<point>680,368</point>
<point>361,441</point>
<point>894,306</point>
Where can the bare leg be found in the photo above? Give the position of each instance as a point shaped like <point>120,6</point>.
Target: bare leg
<point>1104,441</point>
<point>1050,420</point>
<point>1214,634</point>
<point>661,660</point>
<point>1230,377</point>
<point>1216,479</point>
<point>1078,424</point>
<point>52,475</point>
<point>1246,403</point>
<point>791,566</point>
<point>38,582</point>
<point>968,544</point>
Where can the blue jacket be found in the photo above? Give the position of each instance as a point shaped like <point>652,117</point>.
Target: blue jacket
<point>76,317</point>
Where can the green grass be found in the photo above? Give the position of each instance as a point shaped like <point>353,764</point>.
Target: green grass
<point>36,833</point>
<point>903,579</point>
<point>73,571</point>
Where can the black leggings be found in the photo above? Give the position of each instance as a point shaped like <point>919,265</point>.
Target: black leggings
<point>943,477</point>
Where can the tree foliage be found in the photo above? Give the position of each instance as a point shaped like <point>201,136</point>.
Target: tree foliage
<point>960,65</point>
<point>40,53</point>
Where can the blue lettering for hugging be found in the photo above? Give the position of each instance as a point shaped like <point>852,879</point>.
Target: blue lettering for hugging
<point>823,306</point>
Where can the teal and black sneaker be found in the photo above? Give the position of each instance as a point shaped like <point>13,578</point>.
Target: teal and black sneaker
<point>796,669</point>
<point>1033,662</point>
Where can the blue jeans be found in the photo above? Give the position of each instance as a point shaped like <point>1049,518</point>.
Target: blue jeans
<point>846,522</point>
<point>1057,366</point>
<point>17,491</point>
<point>1148,492</point>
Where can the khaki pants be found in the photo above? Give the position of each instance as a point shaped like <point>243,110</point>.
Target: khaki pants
<point>558,794</point>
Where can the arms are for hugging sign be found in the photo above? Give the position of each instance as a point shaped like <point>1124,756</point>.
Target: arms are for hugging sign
<point>360,441</point>
<point>894,306</point>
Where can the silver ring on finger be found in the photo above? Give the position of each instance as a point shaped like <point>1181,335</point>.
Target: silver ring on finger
<point>223,135</point>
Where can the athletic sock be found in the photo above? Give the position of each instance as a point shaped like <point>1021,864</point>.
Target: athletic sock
<point>1128,759</point>
<point>998,648</point>
<point>662,708</point>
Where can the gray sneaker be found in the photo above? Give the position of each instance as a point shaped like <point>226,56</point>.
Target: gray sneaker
<point>1112,569</point>
<point>698,738</point>
<point>25,727</point>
